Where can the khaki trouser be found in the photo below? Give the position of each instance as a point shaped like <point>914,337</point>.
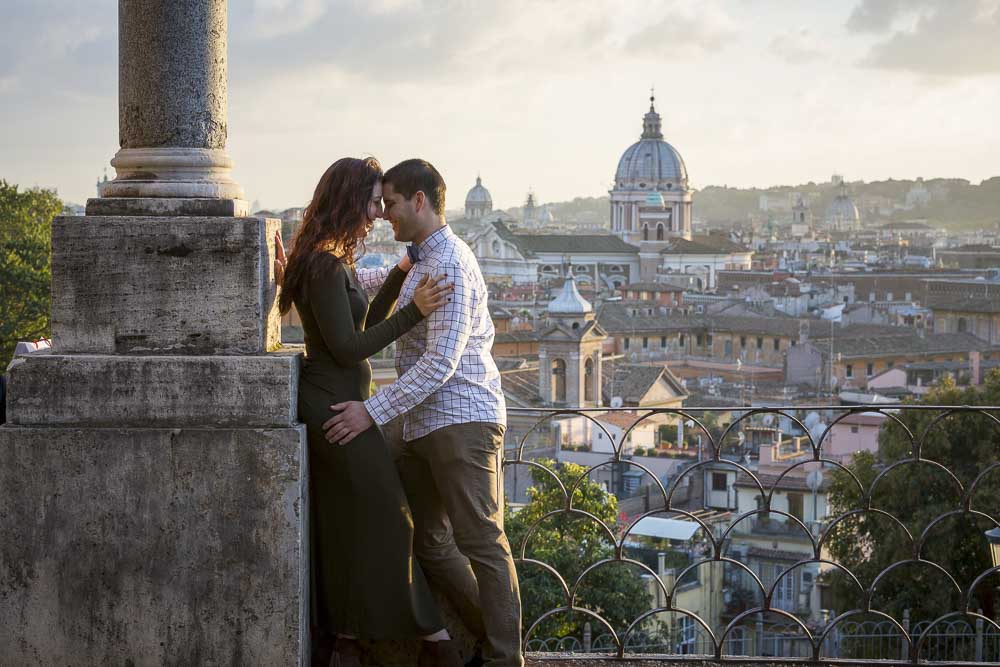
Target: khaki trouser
<point>452,480</point>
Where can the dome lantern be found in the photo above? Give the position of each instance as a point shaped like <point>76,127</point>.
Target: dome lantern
<point>651,122</point>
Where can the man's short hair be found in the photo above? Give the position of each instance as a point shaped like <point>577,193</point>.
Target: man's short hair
<point>409,176</point>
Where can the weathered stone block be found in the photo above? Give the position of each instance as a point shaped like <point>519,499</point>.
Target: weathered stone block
<point>168,206</point>
<point>153,546</point>
<point>133,391</point>
<point>171,285</point>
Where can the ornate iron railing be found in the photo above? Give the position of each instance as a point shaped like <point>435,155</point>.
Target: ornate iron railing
<point>782,615</point>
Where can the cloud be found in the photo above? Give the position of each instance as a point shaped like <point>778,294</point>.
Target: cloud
<point>796,47</point>
<point>67,48</point>
<point>874,15</point>
<point>8,84</point>
<point>684,30</point>
<point>947,38</point>
<point>459,42</point>
<point>272,18</point>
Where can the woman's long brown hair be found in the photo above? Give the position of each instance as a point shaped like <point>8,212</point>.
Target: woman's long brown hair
<point>335,222</point>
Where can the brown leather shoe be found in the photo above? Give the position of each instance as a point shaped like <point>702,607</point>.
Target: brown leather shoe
<point>439,654</point>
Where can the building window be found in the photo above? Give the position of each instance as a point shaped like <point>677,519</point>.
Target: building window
<point>760,343</point>
<point>718,481</point>
<point>743,341</point>
<point>659,232</point>
<point>888,296</point>
<point>680,340</point>
<point>870,370</point>
<point>663,341</point>
<point>855,429</point>
<point>645,342</point>
<point>761,505</point>
<point>962,325</point>
<point>777,344</point>
<point>625,343</point>
<point>699,340</point>
<point>795,505</point>
<point>708,340</point>
<point>689,636</point>
<point>559,381</point>
<point>849,371</point>
<point>871,296</point>
<point>645,232</point>
<point>784,592</point>
<point>588,380</point>
<point>908,296</point>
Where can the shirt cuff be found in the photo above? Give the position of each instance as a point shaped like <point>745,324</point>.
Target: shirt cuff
<point>377,409</point>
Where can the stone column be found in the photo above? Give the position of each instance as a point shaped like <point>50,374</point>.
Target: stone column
<point>153,495</point>
<point>172,99</point>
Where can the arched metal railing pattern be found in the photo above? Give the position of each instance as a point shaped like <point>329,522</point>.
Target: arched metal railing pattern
<point>916,643</point>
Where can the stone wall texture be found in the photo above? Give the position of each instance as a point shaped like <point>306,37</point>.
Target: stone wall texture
<point>148,285</point>
<point>164,391</point>
<point>152,546</point>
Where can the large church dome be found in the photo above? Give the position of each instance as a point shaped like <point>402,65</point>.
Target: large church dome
<point>650,161</point>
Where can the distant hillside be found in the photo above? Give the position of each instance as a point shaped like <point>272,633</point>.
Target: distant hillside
<point>954,203</point>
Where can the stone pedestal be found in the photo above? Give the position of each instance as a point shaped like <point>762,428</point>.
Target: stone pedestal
<point>153,481</point>
<point>153,546</point>
<point>156,285</point>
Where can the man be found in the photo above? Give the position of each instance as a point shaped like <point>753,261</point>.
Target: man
<point>454,417</point>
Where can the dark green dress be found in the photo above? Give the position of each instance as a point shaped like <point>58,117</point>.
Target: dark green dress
<point>366,581</point>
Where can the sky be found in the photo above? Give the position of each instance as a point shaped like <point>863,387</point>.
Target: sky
<point>542,94</point>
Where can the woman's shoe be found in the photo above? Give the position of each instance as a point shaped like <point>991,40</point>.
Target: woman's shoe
<point>346,653</point>
<point>439,654</point>
<point>322,648</point>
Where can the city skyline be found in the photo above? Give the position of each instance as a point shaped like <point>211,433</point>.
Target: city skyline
<point>751,94</point>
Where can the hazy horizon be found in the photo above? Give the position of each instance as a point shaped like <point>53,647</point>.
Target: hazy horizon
<point>537,95</point>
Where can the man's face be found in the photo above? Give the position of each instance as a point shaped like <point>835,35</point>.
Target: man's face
<point>401,213</point>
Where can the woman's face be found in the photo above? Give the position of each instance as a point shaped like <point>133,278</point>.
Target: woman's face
<point>374,209</point>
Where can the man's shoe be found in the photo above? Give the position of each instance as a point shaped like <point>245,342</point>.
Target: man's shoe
<point>476,660</point>
<point>439,654</point>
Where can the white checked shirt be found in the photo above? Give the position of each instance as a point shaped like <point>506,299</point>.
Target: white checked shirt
<point>446,373</point>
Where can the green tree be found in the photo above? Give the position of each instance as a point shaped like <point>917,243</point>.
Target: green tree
<point>570,544</point>
<point>917,493</point>
<point>25,258</point>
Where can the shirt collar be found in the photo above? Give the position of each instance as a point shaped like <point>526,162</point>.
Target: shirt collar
<point>438,238</point>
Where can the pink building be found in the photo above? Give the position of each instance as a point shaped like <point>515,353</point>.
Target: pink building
<point>854,433</point>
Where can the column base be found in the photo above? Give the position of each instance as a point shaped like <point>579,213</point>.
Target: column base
<point>172,172</point>
<point>153,546</point>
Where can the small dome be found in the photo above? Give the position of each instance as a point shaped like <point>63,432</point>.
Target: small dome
<point>569,301</point>
<point>842,208</point>
<point>478,194</point>
<point>654,198</point>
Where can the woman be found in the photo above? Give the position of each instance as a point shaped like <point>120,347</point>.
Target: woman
<point>366,582</point>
